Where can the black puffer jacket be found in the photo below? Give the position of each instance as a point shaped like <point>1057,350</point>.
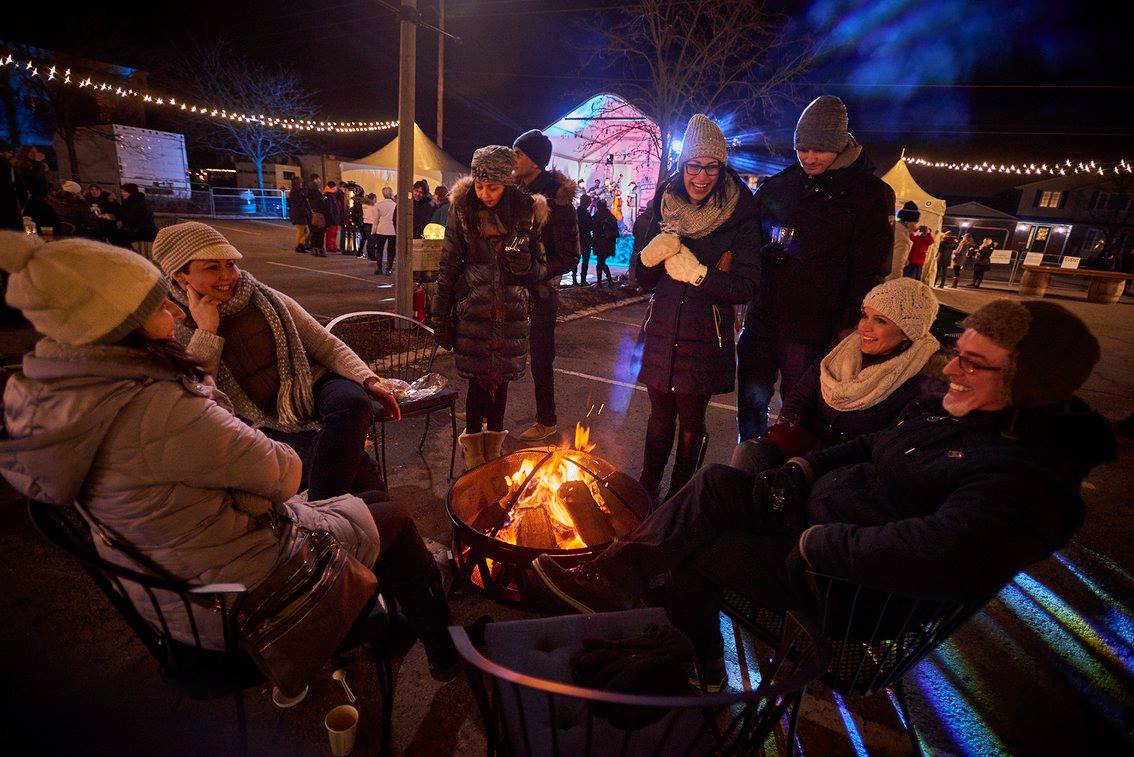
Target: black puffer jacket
<point>952,508</point>
<point>841,249</point>
<point>482,296</point>
<point>560,235</point>
<point>689,329</point>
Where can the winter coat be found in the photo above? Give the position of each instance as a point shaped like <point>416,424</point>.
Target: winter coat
<point>316,204</point>
<point>422,212</point>
<point>560,234</point>
<point>945,250</point>
<point>689,329</point>
<point>332,209</point>
<point>982,259</point>
<point>921,244</point>
<point>137,219</point>
<point>842,247</point>
<point>604,233</point>
<point>952,508</point>
<point>297,211</point>
<point>807,409</point>
<point>483,299</point>
<point>586,226</point>
<point>387,210</point>
<point>356,214</point>
<point>74,214</point>
<point>441,214</point>
<point>370,214</point>
<point>156,458</point>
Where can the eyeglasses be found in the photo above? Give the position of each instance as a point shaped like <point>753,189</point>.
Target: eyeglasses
<point>693,169</point>
<point>968,366</point>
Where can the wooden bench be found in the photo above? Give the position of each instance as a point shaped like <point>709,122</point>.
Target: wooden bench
<point>1104,286</point>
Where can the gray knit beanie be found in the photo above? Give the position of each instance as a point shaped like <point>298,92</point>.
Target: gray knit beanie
<point>703,138</point>
<point>176,245</point>
<point>495,164</point>
<point>910,304</point>
<point>823,125</point>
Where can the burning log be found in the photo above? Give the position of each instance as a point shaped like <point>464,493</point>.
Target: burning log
<point>535,529</point>
<point>491,517</point>
<point>591,522</point>
<point>623,489</point>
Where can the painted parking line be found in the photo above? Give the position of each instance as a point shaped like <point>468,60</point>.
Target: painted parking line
<point>628,385</point>
<point>615,320</point>
<point>238,231</point>
<point>328,273</point>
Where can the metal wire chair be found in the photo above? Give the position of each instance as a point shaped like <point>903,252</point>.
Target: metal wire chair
<point>530,715</point>
<point>395,346</point>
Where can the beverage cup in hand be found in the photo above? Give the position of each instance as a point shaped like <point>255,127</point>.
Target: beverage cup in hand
<point>48,233</point>
<point>783,235</point>
<point>342,727</point>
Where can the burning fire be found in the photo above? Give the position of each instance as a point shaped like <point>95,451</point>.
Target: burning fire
<point>540,513</point>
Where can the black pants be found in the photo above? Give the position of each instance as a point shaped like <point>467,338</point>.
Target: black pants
<point>942,275</point>
<point>542,347</point>
<point>713,533</point>
<point>365,245</point>
<point>584,262</point>
<point>600,266</point>
<point>760,355</point>
<point>667,411</point>
<point>978,275</point>
<point>335,460</point>
<point>385,242</point>
<point>485,407</point>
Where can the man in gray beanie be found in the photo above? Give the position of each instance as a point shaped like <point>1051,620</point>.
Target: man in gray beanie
<point>561,245</point>
<point>827,241</point>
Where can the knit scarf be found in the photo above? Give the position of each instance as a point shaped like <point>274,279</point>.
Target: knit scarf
<point>295,403</point>
<point>691,221</point>
<point>846,385</point>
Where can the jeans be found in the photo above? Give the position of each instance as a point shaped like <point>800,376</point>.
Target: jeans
<point>713,533</point>
<point>364,244</point>
<point>542,347</point>
<point>335,460</point>
<point>912,271</point>
<point>485,408</point>
<point>584,263</point>
<point>759,356</point>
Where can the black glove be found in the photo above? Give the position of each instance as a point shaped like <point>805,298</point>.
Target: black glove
<point>444,333</point>
<point>784,492</point>
<point>774,252</point>
<point>517,254</point>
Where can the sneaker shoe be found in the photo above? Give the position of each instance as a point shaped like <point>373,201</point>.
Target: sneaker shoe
<point>537,431</point>
<point>583,588</point>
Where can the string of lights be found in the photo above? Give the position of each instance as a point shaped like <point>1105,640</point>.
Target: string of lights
<point>1065,168</point>
<point>65,77</point>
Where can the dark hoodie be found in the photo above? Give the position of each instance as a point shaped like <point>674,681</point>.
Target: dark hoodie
<point>561,234</point>
<point>952,508</point>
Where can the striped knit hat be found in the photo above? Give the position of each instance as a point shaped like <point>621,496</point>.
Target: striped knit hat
<point>79,291</point>
<point>176,245</point>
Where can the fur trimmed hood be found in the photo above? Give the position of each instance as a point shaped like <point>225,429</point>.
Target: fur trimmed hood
<point>567,190</point>
<point>539,208</point>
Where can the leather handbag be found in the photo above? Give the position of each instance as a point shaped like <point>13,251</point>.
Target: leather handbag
<point>318,220</point>
<point>293,622</point>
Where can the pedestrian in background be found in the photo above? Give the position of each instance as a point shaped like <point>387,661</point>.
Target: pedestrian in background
<point>352,246</point>
<point>586,239</point>
<point>945,249</point>
<point>965,250</point>
<point>982,261</point>
<point>299,213</point>
<point>492,252</point>
<point>106,210</point>
<point>317,212</point>
<point>441,205</point>
<point>422,209</point>
<point>76,219</point>
<point>920,242</point>
<point>386,231</point>
<point>334,213</point>
<point>136,220</point>
<point>605,239</point>
<point>369,221</point>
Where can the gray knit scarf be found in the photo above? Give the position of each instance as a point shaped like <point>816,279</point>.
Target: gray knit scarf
<point>295,404</point>
<point>688,220</point>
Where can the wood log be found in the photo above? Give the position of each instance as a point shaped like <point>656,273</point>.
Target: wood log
<point>535,529</point>
<point>490,518</point>
<point>591,523</point>
<point>628,503</point>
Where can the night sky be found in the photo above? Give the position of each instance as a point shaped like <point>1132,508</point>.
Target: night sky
<point>948,79</point>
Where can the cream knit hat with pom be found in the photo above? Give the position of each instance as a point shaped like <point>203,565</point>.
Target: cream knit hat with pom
<point>907,302</point>
<point>79,291</point>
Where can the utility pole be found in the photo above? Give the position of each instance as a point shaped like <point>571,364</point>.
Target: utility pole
<point>403,271</point>
<point>441,76</point>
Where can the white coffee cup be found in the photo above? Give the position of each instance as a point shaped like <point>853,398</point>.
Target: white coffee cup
<point>342,725</point>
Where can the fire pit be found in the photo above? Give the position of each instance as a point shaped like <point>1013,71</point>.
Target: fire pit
<point>544,500</point>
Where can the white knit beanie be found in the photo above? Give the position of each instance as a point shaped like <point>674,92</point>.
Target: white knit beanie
<point>703,138</point>
<point>176,245</point>
<point>79,291</point>
<point>907,302</point>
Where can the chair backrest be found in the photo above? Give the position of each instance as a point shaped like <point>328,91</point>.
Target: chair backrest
<point>524,714</point>
<point>875,636</point>
<point>65,527</point>
<point>393,345</point>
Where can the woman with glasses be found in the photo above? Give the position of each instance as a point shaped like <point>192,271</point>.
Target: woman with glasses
<point>862,385</point>
<point>700,256</point>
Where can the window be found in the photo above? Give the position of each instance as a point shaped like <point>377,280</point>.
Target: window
<point>1109,201</point>
<point>1052,199</point>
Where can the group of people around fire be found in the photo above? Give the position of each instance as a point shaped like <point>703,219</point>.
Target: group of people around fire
<point>895,461</point>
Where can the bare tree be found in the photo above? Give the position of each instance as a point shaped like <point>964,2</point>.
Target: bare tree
<point>217,77</point>
<point>679,57</point>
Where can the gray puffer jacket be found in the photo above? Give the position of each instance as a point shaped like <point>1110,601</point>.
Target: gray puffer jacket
<point>156,459</point>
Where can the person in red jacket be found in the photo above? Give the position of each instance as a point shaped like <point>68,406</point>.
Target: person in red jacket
<point>922,240</point>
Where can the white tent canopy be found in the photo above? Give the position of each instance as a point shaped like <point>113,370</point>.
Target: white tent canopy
<point>603,138</point>
<point>380,169</point>
<point>932,212</point>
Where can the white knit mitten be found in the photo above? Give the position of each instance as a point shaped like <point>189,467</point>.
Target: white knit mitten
<point>660,248</point>
<point>684,266</point>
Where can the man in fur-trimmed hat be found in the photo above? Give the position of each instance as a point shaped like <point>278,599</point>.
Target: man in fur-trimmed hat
<point>561,245</point>
<point>827,241</point>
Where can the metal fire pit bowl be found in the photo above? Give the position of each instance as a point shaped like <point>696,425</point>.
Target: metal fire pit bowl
<point>503,570</point>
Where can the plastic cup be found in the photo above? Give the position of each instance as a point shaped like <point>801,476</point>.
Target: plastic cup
<point>784,235</point>
<point>342,726</point>
<point>48,233</point>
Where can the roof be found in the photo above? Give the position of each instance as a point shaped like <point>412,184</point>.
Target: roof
<point>602,125</point>
<point>977,210</point>
<point>906,188</point>
<point>427,156</point>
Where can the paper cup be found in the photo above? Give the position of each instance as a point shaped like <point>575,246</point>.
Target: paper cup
<point>342,725</point>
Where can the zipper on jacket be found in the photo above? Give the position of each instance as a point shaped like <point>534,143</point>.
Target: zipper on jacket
<point>649,314</point>
<point>717,325</point>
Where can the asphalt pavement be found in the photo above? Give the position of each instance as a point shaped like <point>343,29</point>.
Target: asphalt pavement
<point>1046,668</point>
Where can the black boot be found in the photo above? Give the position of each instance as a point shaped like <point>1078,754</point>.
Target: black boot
<point>691,446</point>
<point>427,611</point>
<point>654,460</point>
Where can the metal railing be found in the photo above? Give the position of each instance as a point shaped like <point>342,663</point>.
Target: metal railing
<point>224,202</point>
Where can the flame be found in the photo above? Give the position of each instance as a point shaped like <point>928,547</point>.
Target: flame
<point>583,438</point>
